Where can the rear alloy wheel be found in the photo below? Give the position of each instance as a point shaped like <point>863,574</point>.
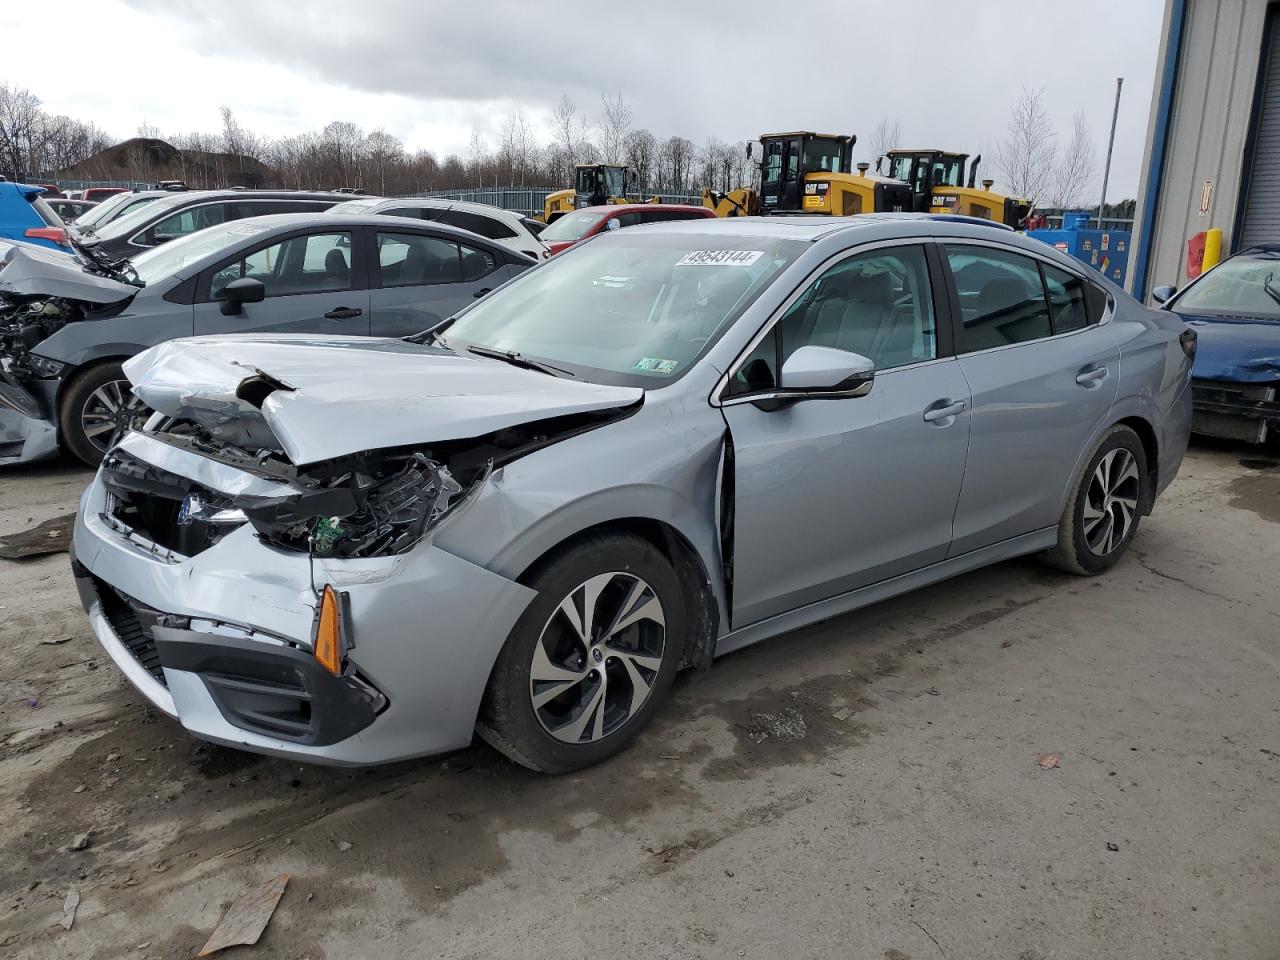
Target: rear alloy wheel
<point>590,659</point>
<point>98,410</point>
<point>1105,504</point>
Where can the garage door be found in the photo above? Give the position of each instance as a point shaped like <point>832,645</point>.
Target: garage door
<point>1262,206</point>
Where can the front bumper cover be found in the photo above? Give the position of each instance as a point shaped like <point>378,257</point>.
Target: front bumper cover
<point>27,433</point>
<point>232,630</point>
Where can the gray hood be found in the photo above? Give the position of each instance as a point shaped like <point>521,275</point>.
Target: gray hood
<point>27,270</point>
<point>324,397</point>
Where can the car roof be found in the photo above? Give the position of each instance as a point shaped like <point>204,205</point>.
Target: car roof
<point>467,206</point>
<point>813,227</point>
<point>634,207</point>
<point>281,221</point>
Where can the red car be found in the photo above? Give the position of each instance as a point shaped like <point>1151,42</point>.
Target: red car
<point>589,221</point>
<point>98,194</point>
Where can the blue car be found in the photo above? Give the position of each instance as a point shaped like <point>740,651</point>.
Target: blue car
<point>1235,310</point>
<point>25,216</point>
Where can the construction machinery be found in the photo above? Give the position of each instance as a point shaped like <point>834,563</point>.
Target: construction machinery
<point>807,172</point>
<point>937,182</point>
<point>593,184</point>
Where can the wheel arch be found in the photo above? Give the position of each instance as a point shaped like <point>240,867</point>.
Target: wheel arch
<point>1151,447</point>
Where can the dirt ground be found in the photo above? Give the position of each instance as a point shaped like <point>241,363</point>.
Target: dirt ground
<point>903,815</point>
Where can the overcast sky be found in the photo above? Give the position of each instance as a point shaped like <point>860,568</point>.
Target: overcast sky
<point>431,72</point>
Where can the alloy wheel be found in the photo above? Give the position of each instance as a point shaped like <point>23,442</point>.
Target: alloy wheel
<point>1111,504</point>
<point>111,411</point>
<point>597,658</point>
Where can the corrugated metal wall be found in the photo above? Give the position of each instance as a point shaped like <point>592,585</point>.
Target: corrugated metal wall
<point>1260,220</point>
<point>1212,106</point>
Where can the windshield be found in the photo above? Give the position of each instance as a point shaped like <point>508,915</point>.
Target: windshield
<point>95,214</point>
<point>823,155</point>
<point>900,168</point>
<point>585,180</point>
<point>1241,286</point>
<point>572,226</point>
<point>627,309</point>
<point>129,223</point>
<point>354,206</point>
<point>169,258</point>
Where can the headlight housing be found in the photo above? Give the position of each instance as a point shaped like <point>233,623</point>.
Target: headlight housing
<point>44,368</point>
<point>375,512</point>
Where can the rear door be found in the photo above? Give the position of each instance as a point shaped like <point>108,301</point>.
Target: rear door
<point>314,279</point>
<point>1044,375</point>
<point>419,279</point>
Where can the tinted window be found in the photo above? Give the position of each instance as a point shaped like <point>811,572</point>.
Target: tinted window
<point>533,226</point>
<point>1096,300</point>
<point>260,208</point>
<point>415,213</point>
<point>192,219</point>
<point>476,263</point>
<point>411,260</point>
<point>485,226</point>
<point>315,263</point>
<point>622,220</point>
<point>661,216</point>
<point>876,304</point>
<point>1066,299</point>
<point>1001,298</point>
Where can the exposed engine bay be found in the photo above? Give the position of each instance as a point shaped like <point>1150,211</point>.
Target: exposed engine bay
<point>24,324</point>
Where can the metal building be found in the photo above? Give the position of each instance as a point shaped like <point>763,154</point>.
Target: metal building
<point>1212,156</point>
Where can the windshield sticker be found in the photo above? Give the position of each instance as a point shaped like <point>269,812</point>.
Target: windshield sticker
<point>623,282</point>
<point>655,365</point>
<point>719,258</point>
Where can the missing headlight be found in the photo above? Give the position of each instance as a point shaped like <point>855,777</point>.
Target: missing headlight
<point>377,510</point>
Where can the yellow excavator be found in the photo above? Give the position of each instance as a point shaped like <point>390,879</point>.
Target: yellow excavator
<point>593,184</point>
<point>807,172</point>
<point>937,182</point>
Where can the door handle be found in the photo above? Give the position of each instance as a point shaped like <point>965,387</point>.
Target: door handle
<point>480,293</point>
<point>343,313</point>
<point>943,409</point>
<point>1091,375</point>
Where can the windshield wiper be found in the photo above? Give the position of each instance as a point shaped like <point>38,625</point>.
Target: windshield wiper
<point>1271,291</point>
<point>519,360</point>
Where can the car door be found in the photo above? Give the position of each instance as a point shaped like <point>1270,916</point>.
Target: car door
<point>832,494</point>
<point>420,279</point>
<point>1043,374</point>
<point>314,280</point>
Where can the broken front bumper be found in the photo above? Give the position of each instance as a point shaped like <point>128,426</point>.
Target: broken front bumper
<point>222,640</point>
<point>1234,410</point>
<point>26,433</point>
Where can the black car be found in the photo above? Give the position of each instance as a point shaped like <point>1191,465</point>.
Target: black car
<point>178,214</point>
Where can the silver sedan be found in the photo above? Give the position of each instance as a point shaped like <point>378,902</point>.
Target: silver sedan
<point>662,446</point>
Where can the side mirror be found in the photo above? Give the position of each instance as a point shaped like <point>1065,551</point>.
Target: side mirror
<point>1162,295</point>
<point>826,371</point>
<point>239,292</point>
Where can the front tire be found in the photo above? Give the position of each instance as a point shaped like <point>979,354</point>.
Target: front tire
<point>97,409</point>
<point>1105,505</point>
<point>589,661</point>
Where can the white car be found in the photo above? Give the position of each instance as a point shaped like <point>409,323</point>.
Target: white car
<point>513,230</point>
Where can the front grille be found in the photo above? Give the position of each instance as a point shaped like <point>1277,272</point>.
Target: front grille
<point>133,633</point>
<point>1225,396</point>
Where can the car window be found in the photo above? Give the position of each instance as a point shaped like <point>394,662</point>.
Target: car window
<point>412,259</point>
<point>878,304</point>
<point>490,227</point>
<point>533,226</point>
<point>312,263</point>
<point>190,220</point>
<point>1001,298</point>
<point>1066,299</point>
<point>664,216</point>
<point>571,226</point>
<point>413,213</point>
<point>261,208</point>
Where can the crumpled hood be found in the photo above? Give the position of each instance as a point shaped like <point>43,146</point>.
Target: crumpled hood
<point>1238,350</point>
<point>27,270</point>
<point>325,397</point>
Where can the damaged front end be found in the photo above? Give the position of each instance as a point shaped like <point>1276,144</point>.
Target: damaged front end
<point>40,293</point>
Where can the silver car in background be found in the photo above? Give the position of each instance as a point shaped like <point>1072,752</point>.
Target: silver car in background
<point>664,445</point>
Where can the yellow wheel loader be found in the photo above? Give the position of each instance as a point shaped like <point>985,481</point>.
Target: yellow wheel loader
<point>810,173</point>
<point>937,182</point>
<point>593,184</point>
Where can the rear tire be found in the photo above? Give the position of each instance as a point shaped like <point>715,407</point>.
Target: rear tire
<point>555,703</point>
<point>1104,506</point>
<point>97,409</point>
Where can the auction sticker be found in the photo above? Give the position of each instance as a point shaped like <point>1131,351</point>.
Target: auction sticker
<point>719,258</point>
<point>656,365</point>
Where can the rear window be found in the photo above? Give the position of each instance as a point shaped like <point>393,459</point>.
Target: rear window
<point>489,227</point>
<point>533,226</point>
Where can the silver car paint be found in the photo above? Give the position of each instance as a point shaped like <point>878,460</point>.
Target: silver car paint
<point>335,406</point>
<point>663,465</point>
<point>29,270</point>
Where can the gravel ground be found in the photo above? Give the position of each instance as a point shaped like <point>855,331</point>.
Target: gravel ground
<point>867,788</point>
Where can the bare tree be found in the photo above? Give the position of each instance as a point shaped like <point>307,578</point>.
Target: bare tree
<point>518,147</point>
<point>1076,167</point>
<point>381,152</point>
<point>1025,158</point>
<point>565,124</point>
<point>477,150</point>
<point>675,158</point>
<point>19,114</point>
<point>641,157</point>
<point>886,136</point>
<point>615,124</point>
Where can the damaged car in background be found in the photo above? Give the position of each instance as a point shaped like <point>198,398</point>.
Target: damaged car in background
<point>68,322</point>
<point>664,444</point>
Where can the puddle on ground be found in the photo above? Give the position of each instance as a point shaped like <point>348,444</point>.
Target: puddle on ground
<point>1258,493</point>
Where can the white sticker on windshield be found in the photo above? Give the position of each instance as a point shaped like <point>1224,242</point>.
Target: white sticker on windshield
<point>719,258</point>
